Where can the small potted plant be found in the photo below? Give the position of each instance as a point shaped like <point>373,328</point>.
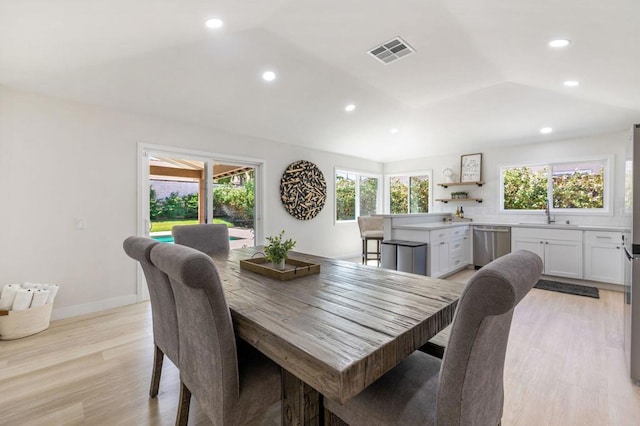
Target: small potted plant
<point>277,250</point>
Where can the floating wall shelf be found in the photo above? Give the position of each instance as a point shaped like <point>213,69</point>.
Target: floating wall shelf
<point>446,200</point>
<point>448,184</point>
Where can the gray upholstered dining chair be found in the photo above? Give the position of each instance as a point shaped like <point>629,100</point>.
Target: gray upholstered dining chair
<point>163,307</point>
<point>371,229</point>
<point>205,237</point>
<point>466,386</point>
<point>232,386</point>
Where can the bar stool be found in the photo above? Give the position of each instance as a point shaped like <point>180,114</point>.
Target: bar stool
<point>370,229</point>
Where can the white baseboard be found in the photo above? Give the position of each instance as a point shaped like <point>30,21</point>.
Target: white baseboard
<point>88,308</point>
<point>357,255</point>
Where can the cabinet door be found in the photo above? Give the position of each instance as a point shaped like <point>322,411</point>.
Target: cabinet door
<point>603,262</point>
<point>563,258</point>
<point>444,257</point>
<point>466,250</point>
<point>531,244</point>
<point>438,258</point>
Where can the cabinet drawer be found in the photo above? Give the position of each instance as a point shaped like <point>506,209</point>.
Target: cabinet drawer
<point>547,234</point>
<point>459,231</point>
<point>455,261</point>
<point>603,237</point>
<point>456,246</point>
<point>439,236</point>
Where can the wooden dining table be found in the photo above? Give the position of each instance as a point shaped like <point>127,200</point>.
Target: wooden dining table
<point>336,332</point>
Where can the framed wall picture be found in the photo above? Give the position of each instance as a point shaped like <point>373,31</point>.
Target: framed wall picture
<point>471,168</point>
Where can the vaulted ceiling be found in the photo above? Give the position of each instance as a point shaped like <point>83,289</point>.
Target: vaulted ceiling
<point>482,74</point>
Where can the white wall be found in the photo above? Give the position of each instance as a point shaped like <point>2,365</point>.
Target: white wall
<point>60,160</point>
<point>493,159</point>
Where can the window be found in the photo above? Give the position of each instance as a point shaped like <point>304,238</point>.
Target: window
<point>356,195</point>
<point>368,195</point>
<point>571,186</point>
<point>409,193</point>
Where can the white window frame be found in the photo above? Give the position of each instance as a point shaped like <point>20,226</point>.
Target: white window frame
<point>358,174</point>
<point>608,186</point>
<point>410,174</point>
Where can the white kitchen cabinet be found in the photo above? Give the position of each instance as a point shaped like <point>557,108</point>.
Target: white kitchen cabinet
<point>563,258</point>
<point>535,245</point>
<point>559,249</point>
<point>449,250</point>
<point>438,252</point>
<point>460,248</point>
<point>438,259</point>
<point>603,257</point>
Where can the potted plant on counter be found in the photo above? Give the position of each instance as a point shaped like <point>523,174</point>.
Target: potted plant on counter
<point>277,251</point>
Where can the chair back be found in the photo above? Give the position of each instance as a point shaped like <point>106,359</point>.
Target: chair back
<point>208,355</point>
<point>471,377</point>
<point>370,226</point>
<point>163,305</point>
<point>205,237</point>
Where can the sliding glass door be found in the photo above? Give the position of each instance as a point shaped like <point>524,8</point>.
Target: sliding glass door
<point>179,187</point>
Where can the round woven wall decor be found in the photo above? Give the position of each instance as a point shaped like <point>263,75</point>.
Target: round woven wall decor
<point>303,190</point>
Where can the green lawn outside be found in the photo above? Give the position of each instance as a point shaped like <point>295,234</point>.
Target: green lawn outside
<point>168,224</point>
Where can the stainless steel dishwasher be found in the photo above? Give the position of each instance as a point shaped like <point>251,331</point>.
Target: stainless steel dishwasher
<point>489,243</point>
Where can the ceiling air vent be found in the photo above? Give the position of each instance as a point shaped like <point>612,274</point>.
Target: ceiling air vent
<point>392,50</point>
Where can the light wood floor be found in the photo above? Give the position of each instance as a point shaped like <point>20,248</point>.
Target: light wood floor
<point>564,367</point>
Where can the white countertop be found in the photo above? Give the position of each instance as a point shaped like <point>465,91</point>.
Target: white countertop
<point>428,226</point>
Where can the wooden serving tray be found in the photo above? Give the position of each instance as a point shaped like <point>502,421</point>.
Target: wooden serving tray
<point>292,268</point>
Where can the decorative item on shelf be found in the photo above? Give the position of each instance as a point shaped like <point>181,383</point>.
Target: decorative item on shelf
<point>460,195</point>
<point>303,190</point>
<point>277,251</point>
<point>448,174</point>
<point>471,168</point>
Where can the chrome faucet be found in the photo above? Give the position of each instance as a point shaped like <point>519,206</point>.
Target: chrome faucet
<point>547,210</point>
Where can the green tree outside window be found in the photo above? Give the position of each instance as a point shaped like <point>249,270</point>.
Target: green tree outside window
<point>419,190</point>
<point>368,195</point>
<point>345,198</point>
<point>356,195</point>
<point>399,194</point>
<point>578,185</point>
<point>525,188</point>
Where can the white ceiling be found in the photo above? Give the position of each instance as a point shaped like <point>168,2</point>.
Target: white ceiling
<point>482,75</point>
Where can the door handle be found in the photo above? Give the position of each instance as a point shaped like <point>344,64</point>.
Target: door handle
<point>626,253</point>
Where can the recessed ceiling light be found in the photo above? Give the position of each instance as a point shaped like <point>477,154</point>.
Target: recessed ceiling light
<point>350,107</point>
<point>571,83</point>
<point>214,23</point>
<point>546,130</point>
<point>559,43</point>
<point>393,131</point>
<point>269,75</point>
